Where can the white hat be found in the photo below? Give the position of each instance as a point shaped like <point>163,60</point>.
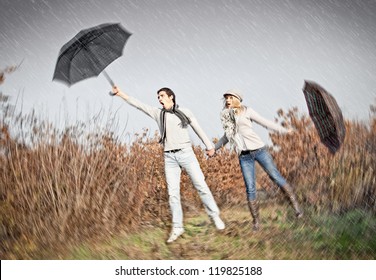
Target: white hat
<point>234,92</point>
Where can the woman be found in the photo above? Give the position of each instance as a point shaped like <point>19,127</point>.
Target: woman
<point>237,121</point>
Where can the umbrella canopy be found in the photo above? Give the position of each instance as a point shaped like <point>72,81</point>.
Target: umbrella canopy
<point>326,115</point>
<point>89,52</point>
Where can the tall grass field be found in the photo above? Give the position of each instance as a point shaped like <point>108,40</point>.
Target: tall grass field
<point>83,193</point>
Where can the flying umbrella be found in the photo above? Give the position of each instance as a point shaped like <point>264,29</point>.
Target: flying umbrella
<point>326,115</point>
<point>89,52</point>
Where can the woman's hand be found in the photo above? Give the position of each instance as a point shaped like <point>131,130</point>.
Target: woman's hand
<point>210,152</point>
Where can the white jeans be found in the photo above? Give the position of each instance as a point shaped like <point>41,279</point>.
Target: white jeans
<point>186,159</point>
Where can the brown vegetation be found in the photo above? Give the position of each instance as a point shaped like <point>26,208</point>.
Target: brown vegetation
<point>61,187</point>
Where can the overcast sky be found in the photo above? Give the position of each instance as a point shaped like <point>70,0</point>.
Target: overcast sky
<point>199,49</point>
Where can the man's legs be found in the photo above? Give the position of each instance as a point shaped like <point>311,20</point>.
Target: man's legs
<point>172,172</point>
<point>187,160</point>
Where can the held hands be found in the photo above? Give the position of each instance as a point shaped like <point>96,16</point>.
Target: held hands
<point>210,152</point>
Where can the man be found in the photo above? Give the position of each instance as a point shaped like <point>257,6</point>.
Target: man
<point>178,153</point>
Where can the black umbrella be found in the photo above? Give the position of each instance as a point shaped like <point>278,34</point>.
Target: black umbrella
<point>326,115</point>
<point>89,52</point>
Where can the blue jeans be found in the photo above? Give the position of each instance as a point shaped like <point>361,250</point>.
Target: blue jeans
<point>186,159</point>
<point>247,164</point>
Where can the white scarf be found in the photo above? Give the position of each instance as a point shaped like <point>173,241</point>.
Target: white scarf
<point>231,130</point>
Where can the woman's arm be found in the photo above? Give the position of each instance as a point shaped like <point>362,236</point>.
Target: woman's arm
<point>221,142</point>
<point>253,115</point>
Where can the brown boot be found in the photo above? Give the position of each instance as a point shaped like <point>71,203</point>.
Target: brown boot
<point>253,207</point>
<point>291,195</point>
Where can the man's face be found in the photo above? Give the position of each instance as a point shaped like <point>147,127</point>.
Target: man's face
<point>165,100</point>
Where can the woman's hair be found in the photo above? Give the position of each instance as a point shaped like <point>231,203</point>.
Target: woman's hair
<point>169,92</point>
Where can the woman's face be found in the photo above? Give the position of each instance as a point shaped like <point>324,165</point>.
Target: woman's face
<point>231,101</point>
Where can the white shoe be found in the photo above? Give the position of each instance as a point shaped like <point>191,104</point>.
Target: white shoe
<point>219,224</point>
<point>175,233</point>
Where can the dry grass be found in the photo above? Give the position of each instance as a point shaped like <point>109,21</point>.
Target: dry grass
<point>340,182</point>
<point>60,188</point>
<point>281,237</point>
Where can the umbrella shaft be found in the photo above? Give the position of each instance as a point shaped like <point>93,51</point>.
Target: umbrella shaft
<point>108,78</point>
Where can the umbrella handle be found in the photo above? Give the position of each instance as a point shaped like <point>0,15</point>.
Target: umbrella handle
<point>108,78</point>
<point>110,81</point>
